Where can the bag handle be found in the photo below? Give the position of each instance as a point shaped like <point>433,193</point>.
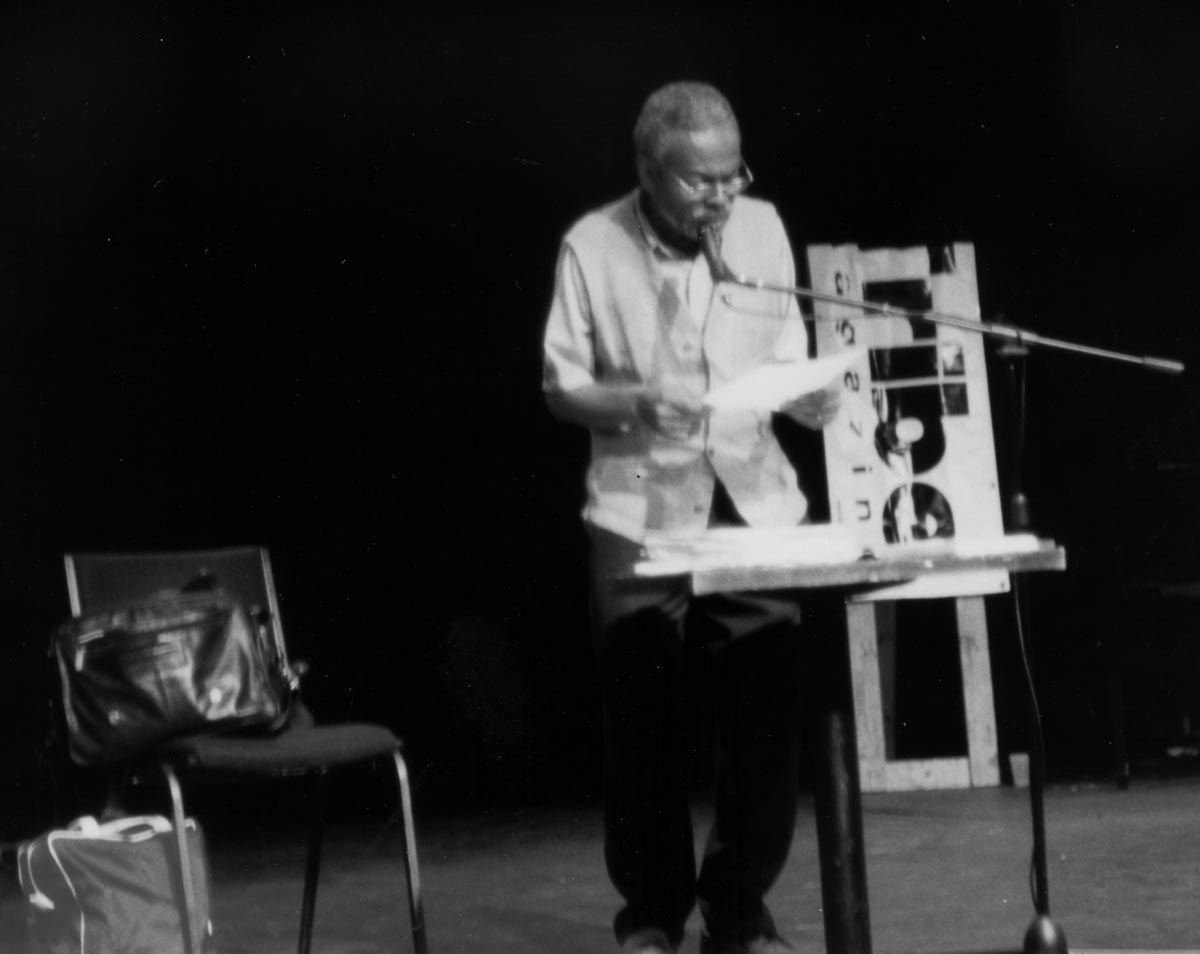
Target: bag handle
<point>203,582</point>
<point>131,826</point>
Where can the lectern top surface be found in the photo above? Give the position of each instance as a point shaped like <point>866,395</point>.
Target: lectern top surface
<point>824,556</point>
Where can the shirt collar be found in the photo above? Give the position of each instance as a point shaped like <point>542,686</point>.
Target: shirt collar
<point>657,245</point>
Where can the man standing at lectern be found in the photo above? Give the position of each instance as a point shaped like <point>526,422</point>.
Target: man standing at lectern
<point>638,334</point>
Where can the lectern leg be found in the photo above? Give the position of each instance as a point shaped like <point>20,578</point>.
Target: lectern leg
<point>838,799</point>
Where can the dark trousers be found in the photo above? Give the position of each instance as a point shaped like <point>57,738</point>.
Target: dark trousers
<point>651,636</point>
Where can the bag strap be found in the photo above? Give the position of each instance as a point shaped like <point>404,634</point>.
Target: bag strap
<point>33,893</point>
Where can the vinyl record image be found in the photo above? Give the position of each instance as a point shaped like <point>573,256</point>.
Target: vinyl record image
<point>916,512</point>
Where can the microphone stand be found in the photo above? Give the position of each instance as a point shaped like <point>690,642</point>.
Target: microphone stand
<point>1043,936</point>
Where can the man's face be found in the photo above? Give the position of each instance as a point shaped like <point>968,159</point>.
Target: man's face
<point>708,155</point>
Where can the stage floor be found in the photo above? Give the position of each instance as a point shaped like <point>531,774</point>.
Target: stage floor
<point>947,871</point>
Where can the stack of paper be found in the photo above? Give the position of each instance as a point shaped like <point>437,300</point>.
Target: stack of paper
<point>671,554</point>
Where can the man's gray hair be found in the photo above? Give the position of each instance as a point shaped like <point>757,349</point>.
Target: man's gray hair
<point>679,107</point>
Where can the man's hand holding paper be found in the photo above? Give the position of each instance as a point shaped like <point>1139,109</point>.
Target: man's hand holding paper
<point>673,412</point>
<point>809,392</point>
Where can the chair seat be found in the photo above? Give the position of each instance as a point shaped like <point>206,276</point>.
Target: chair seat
<point>295,750</point>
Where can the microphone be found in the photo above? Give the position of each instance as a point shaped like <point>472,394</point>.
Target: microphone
<point>712,254</point>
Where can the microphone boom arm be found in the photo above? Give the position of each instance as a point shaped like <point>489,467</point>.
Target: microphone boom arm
<point>723,273</point>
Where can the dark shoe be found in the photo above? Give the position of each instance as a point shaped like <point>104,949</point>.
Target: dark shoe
<point>765,944</point>
<point>647,942</point>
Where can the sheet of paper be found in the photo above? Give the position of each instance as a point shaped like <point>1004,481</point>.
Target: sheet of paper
<point>770,386</point>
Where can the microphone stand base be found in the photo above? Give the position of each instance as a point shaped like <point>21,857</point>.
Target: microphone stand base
<point>1045,937</point>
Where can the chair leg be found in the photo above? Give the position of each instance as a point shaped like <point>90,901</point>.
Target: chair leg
<point>312,864</point>
<point>184,856</point>
<point>411,871</point>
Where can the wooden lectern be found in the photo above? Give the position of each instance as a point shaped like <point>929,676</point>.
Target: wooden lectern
<point>814,560</point>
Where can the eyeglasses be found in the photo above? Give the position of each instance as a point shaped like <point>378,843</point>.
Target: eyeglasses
<point>702,188</point>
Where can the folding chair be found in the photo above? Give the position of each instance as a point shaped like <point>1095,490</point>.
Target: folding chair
<point>301,749</point>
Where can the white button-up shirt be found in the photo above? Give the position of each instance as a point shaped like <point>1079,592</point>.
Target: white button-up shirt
<point>627,310</point>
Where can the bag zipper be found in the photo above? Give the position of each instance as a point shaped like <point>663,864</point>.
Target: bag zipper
<point>129,638</point>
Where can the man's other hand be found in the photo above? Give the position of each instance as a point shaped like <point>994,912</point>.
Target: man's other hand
<point>815,409</point>
<point>675,416</point>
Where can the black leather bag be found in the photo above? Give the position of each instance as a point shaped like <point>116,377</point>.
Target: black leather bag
<point>135,676</point>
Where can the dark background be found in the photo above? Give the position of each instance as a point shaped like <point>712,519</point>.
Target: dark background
<point>281,277</point>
